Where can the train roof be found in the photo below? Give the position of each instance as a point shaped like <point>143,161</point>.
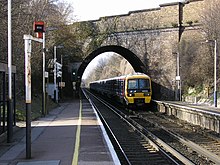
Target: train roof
<point>114,78</point>
<point>137,74</point>
<point>121,77</point>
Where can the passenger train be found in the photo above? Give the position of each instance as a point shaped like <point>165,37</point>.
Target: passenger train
<point>131,90</point>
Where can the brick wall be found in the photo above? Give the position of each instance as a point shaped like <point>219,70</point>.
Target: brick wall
<point>153,35</point>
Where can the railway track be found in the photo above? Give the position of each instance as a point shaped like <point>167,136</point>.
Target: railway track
<point>134,144</point>
<point>201,146</point>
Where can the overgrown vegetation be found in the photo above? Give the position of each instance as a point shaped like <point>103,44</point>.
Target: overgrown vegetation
<point>197,56</point>
<point>55,14</point>
<point>111,66</point>
<point>81,38</point>
<point>36,110</point>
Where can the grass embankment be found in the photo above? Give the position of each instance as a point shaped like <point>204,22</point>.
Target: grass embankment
<point>36,108</point>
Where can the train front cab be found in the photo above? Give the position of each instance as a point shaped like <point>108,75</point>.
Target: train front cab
<point>138,90</point>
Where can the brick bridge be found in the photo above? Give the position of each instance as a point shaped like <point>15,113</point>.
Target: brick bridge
<point>149,40</point>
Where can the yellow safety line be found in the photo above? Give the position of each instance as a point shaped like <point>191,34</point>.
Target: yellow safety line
<point>78,132</point>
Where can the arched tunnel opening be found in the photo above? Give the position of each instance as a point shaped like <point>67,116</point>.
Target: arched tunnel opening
<point>74,71</point>
<point>135,62</point>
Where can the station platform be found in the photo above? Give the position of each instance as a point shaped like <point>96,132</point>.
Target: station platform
<point>205,116</point>
<point>71,134</point>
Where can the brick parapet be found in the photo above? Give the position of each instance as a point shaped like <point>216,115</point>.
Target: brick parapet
<point>167,15</point>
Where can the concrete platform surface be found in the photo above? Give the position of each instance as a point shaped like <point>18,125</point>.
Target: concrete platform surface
<point>71,134</point>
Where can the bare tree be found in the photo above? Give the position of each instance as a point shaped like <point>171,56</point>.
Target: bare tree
<point>211,26</point>
<point>211,19</point>
<point>24,13</point>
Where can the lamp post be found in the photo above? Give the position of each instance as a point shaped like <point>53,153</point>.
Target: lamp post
<point>39,29</point>
<point>215,70</point>
<point>10,101</point>
<point>43,70</point>
<point>215,73</point>
<point>178,93</point>
<point>55,73</point>
<point>61,79</point>
<point>178,79</point>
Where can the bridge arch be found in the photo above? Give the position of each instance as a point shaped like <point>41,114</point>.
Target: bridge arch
<point>135,62</point>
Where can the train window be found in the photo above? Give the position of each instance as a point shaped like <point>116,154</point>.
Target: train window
<point>133,84</point>
<point>144,84</point>
<point>138,84</point>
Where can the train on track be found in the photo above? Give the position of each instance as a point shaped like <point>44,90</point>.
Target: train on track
<point>131,90</point>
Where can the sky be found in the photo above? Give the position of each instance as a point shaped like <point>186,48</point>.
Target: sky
<point>94,9</point>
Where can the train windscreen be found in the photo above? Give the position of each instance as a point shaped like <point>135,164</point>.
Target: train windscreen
<point>139,84</point>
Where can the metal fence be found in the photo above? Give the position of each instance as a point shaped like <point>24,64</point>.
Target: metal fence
<point>4,97</point>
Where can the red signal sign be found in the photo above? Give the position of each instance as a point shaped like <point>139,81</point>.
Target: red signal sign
<point>39,28</point>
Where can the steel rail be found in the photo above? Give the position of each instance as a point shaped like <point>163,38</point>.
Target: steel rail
<point>202,151</point>
<point>164,145</point>
<point>108,128</point>
<point>158,144</point>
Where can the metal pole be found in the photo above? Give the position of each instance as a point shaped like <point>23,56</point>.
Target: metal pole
<point>215,74</point>
<point>55,73</point>
<point>178,79</point>
<point>14,100</point>
<point>178,74</point>
<point>43,95</point>
<point>9,51</point>
<point>4,99</point>
<point>61,79</point>
<point>28,95</point>
<point>10,113</point>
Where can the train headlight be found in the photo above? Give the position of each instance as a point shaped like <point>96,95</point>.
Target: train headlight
<point>130,94</point>
<point>146,94</point>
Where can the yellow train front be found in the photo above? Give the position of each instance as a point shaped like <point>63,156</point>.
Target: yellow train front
<point>131,90</point>
<point>138,90</point>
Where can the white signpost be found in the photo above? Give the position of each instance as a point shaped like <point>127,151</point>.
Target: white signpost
<point>28,39</point>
